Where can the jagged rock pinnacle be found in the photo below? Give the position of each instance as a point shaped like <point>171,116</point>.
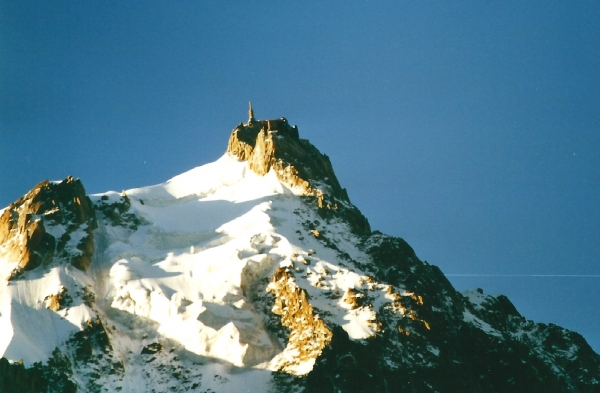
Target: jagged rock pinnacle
<point>276,145</point>
<point>25,224</point>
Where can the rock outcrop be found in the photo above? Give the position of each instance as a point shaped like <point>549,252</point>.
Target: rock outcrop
<point>15,378</point>
<point>275,145</point>
<point>58,301</point>
<point>53,221</point>
<point>117,212</point>
<point>308,334</point>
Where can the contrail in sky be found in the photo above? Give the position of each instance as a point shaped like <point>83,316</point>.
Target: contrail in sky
<point>523,275</point>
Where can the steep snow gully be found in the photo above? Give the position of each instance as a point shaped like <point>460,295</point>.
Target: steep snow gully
<point>252,273</point>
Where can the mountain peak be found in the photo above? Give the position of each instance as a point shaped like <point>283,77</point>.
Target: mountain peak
<point>267,144</point>
<point>221,279</point>
<point>276,145</point>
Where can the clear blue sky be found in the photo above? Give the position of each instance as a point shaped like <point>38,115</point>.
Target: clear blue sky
<point>471,129</point>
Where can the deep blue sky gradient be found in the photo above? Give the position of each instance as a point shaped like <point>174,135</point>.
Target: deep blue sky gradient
<point>471,129</point>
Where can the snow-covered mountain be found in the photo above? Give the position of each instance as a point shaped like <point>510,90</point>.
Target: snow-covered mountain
<point>254,273</point>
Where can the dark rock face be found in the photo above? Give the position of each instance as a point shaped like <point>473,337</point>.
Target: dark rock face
<point>15,378</point>
<point>92,340</point>
<point>117,213</point>
<point>52,221</point>
<point>449,342</point>
<point>274,144</point>
<point>151,349</point>
<point>88,354</point>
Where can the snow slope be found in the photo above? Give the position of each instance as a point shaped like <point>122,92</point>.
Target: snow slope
<point>181,278</point>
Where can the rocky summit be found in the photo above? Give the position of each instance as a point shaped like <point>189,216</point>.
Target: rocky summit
<point>253,273</point>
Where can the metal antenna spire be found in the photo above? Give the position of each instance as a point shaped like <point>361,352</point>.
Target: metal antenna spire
<point>251,112</point>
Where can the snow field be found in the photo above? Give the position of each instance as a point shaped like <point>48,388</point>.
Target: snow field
<point>29,330</point>
<point>182,279</point>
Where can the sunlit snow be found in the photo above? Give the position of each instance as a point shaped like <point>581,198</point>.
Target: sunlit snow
<point>206,237</point>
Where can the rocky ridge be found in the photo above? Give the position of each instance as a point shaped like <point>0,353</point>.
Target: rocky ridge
<point>53,221</point>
